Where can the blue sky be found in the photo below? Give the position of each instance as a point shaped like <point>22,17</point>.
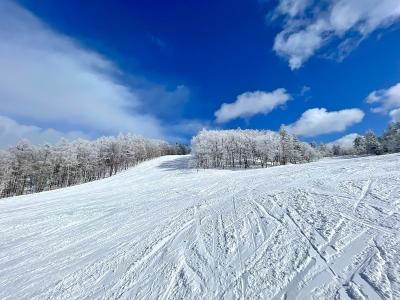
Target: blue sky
<point>166,69</point>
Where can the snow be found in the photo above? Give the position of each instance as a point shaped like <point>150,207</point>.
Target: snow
<point>162,230</point>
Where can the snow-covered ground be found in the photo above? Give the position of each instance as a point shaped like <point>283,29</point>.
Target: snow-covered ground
<point>162,230</point>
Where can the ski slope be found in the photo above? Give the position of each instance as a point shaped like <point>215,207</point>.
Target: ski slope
<point>164,231</point>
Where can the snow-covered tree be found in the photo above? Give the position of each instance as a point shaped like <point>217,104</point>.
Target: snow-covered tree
<point>248,148</point>
<point>389,142</point>
<point>26,168</point>
<point>360,145</point>
<point>391,138</point>
<point>372,144</point>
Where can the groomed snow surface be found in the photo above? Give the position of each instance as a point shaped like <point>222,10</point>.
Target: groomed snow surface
<point>164,231</point>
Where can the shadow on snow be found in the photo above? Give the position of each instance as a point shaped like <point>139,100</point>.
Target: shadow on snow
<point>180,163</point>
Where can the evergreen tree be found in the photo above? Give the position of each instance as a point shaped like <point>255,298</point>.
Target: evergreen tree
<point>359,145</point>
<point>372,144</point>
<point>391,138</point>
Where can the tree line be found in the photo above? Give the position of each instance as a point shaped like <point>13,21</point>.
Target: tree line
<point>27,168</point>
<point>249,148</point>
<point>371,144</point>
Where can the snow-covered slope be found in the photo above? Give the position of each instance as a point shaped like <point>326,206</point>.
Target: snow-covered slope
<point>162,230</point>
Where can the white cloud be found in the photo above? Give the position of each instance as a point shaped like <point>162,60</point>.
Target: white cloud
<point>385,99</point>
<point>305,33</point>
<point>48,78</point>
<point>304,90</point>
<point>12,132</point>
<point>317,121</point>
<point>251,103</point>
<point>345,142</point>
<point>299,45</point>
<point>395,114</point>
<point>292,8</point>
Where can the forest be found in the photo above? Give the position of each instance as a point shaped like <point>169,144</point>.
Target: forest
<point>249,148</point>
<point>369,143</point>
<point>263,148</point>
<point>27,168</point>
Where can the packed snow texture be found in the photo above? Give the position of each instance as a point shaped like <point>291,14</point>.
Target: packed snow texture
<point>164,231</point>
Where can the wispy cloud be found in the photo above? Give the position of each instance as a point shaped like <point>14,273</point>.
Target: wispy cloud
<point>11,132</point>
<point>292,8</point>
<point>305,90</point>
<point>307,27</point>
<point>249,104</point>
<point>49,78</point>
<point>158,42</point>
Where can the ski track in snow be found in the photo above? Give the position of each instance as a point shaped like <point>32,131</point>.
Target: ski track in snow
<point>323,230</point>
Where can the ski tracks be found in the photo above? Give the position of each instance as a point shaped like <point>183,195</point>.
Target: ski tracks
<point>286,232</point>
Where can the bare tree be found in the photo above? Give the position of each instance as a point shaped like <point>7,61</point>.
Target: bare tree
<point>249,148</point>
<point>26,168</point>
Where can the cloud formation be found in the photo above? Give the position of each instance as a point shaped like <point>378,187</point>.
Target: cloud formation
<point>308,27</point>
<point>386,101</point>
<point>395,114</point>
<point>292,8</point>
<point>317,121</point>
<point>251,103</point>
<point>345,142</point>
<point>11,132</point>
<point>47,77</point>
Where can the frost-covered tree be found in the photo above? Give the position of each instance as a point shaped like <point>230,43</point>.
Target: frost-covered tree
<point>337,150</point>
<point>372,144</point>
<point>389,142</point>
<point>26,168</point>
<point>391,138</point>
<point>287,143</point>
<point>324,150</point>
<point>268,149</point>
<point>248,148</point>
<point>360,145</point>
<point>6,161</point>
